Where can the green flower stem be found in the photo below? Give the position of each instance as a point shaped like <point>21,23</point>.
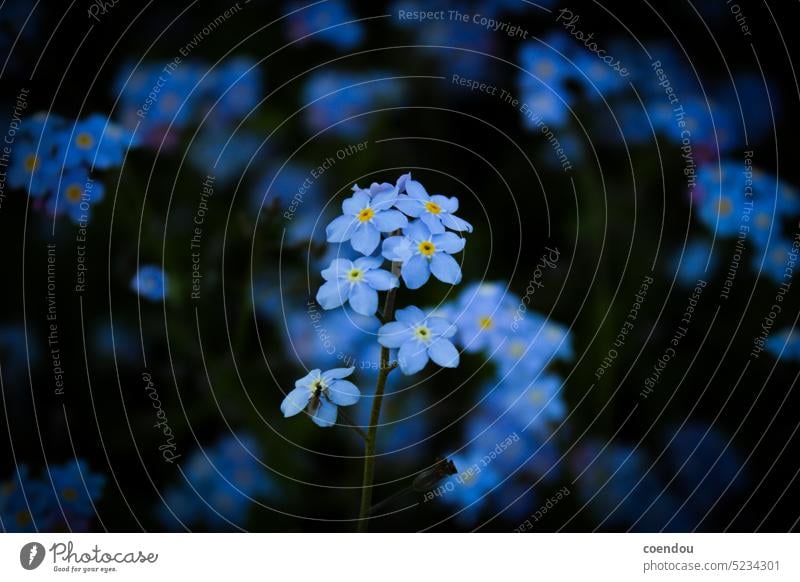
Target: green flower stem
<point>375,414</point>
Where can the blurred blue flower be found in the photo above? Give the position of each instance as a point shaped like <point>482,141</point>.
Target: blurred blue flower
<point>325,22</point>
<point>689,263</point>
<point>320,393</point>
<point>423,253</point>
<point>95,142</point>
<point>355,282</point>
<point>419,338</point>
<point>76,195</point>
<point>78,490</point>
<point>787,341</point>
<point>150,282</point>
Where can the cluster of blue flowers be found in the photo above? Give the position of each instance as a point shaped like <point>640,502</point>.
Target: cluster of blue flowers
<point>154,98</point>
<point>53,160</point>
<point>221,484</point>
<point>753,206</point>
<point>509,442</point>
<point>621,485</point>
<point>410,228</point>
<point>64,498</point>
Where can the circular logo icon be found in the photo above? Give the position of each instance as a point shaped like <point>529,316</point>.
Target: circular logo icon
<point>31,555</point>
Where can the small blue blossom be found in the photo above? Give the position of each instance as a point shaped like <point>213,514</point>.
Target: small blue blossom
<point>331,22</point>
<point>76,194</point>
<point>95,142</point>
<point>33,168</point>
<point>436,212</point>
<point>356,282</point>
<point>689,263</point>
<point>77,488</point>
<point>320,393</point>
<point>422,253</point>
<point>150,282</point>
<point>364,219</point>
<point>420,338</point>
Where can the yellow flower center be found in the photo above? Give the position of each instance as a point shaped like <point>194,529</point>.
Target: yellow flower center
<point>366,214</point>
<point>517,349</point>
<point>537,397</point>
<point>84,140</point>
<point>762,220</point>
<point>485,322</point>
<point>355,275</point>
<point>31,163</point>
<point>724,207</point>
<point>427,248</point>
<point>423,333</point>
<point>74,193</point>
<point>23,518</point>
<point>545,68</point>
<point>433,208</point>
<point>69,494</point>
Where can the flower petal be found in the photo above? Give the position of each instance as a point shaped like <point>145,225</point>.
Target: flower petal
<point>306,380</point>
<point>365,239</point>
<point>449,205</point>
<point>445,268</point>
<point>390,220</point>
<point>410,206</point>
<point>333,294</point>
<point>337,373</point>
<point>325,415</point>
<point>384,199</point>
<point>416,271</point>
<point>295,401</point>
<point>412,357</point>
<point>337,269</point>
<point>417,231</point>
<point>397,248</point>
<point>441,327</point>
<point>364,299</point>
<point>443,352</point>
<point>456,223</point>
<point>343,393</point>
<point>449,242</point>
<point>416,190</point>
<point>433,222</point>
<point>340,229</point>
<point>354,204</point>
<point>394,334</point>
<point>381,279</point>
<point>368,263</point>
<point>412,315</point>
